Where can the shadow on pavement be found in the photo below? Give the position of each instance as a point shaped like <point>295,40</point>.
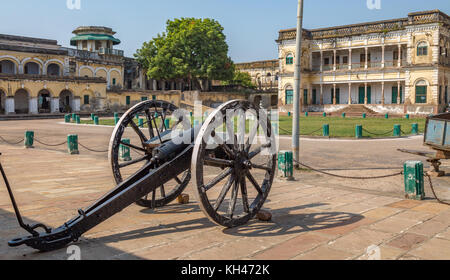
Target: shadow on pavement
<point>285,223</point>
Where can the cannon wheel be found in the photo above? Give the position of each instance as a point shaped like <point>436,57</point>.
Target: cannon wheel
<point>154,114</point>
<point>236,165</point>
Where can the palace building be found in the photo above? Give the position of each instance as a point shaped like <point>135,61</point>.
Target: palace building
<point>264,73</point>
<point>39,76</point>
<point>395,66</point>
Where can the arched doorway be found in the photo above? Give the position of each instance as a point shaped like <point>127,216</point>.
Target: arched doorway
<point>21,102</point>
<point>53,69</point>
<point>44,101</point>
<point>7,67</point>
<point>32,68</point>
<point>66,101</point>
<point>2,101</point>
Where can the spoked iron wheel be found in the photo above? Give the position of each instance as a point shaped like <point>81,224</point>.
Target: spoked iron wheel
<point>141,138</point>
<point>234,177</point>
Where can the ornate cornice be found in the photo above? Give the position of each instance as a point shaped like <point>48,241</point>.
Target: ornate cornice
<point>419,18</point>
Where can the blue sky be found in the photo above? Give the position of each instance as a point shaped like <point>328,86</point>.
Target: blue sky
<point>251,26</point>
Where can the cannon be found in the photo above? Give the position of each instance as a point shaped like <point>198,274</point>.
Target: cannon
<point>224,157</point>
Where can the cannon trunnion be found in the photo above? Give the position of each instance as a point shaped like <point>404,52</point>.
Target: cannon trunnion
<point>232,172</point>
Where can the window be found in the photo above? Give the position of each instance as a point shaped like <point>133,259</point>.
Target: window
<point>144,98</point>
<point>128,100</point>
<point>289,96</point>
<point>114,81</point>
<point>344,59</point>
<point>421,92</point>
<point>446,95</point>
<point>305,97</point>
<point>290,59</point>
<point>440,95</point>
<point>98,45</point>
<point>395,55</point>
<point>326,61</point>
<point>422,49</point>
<point>84,45</point>
<point>86,100</point>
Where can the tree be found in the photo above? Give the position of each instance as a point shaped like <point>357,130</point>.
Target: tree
<point>240,79</point>
<point>190,50</point>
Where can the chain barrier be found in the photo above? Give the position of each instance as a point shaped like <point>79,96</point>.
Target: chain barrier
<point>50,145</point>
<point>11,142</point>
<point>348,177</point>
<point>290,132</point>
<point>405,133</point>
<point>92,150</point>
<point>378,134</point>
<point>434,192</point>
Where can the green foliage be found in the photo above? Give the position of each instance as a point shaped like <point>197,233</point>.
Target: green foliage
<point>190,49</point>
<point>240,79</point>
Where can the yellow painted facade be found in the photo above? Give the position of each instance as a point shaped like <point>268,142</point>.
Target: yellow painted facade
<point>397,66</point>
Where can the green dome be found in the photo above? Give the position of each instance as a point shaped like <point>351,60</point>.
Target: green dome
<point>93,37</point>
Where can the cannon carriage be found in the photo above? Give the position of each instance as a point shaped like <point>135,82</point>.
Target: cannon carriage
<point>230,160</point>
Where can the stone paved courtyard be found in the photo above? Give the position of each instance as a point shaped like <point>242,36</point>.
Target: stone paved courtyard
<point>314,217</point>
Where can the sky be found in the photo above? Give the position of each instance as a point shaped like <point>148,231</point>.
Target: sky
<point>251,26</point>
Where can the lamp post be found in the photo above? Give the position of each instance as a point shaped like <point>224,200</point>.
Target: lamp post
<point>297,85</point>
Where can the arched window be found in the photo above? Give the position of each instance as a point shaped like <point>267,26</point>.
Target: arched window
<point>421,92</point>
<point>7,67</point>
<point>53,70</point>
<point>422,49</point>
<point>32,68</point>
<point>289,95</point>
<point>289,59</point>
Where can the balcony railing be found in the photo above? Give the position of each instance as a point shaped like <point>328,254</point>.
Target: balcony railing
<point>106,51</point>
<point>327,67</point>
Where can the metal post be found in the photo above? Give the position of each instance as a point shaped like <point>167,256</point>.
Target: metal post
<point>72,144</point>
<point>297,85</point>
<point>29,139</point>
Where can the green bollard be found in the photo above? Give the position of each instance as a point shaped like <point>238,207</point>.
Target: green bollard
<point>29,139</point>
<point>141,123</point>
<point>116,120</point>
<point>116,115</point>
<point>324,114</point>
<point>96,120</point>
<point>78,120</point>
<point>289,114</point>
<point>191,114</point>
<point>358,131</point>
<point>386,116</point>
<point>167,123</point>
<point>306,114</point>
<point>72,144</point>
<point>125,151</point>
<point>74,117</point>
<point>397,130</point>
<point>344,115</point>
<point>67,118</point>
<point>286,165</point>
<point>415,129</point>
<point>414,180</point>
<point>364,116</point>
<point>326,130</point>
<point>407,116</point>
<point>92,116</point>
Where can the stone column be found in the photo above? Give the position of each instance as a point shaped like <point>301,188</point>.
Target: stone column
<point>334,60</point>
<point>310,94</point>
<point>365,94</point>
<point>398,93</point>
<point>334,94</point>
<point>33,105</point>
<point>350,59</point>
<point>155,85</point>
<point>321,61</point>
<point>399,55</point>
<point>383,56</point>
<point>321,94</point>
<point>366,58</point>
<point>55,105</point>
<point>349,94</point>
<point>9,105</point>
<point>76,104</point>
<point>383,98</point>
